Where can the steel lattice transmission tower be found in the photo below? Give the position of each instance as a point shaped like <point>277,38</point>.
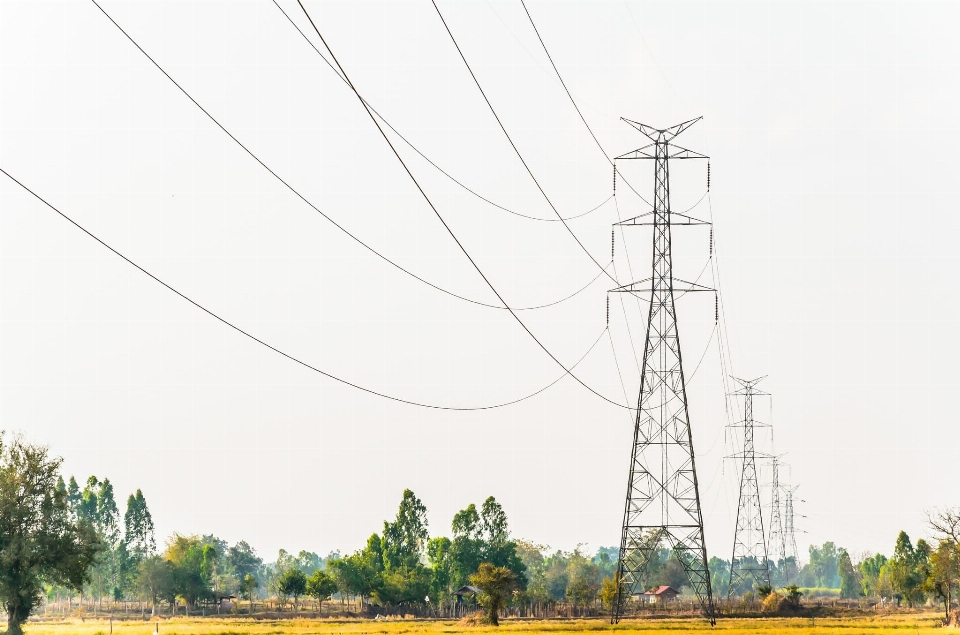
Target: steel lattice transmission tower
<point>662,505</point>
<point>790,538</point>
<point>748,565</point>
<point>778,546</point>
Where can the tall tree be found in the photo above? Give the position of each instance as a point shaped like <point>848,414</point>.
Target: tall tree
<point>849,583</point>
<point>40,542</point>
<point>405,538</point>
<point>138,526</point>
<point>907,568</point>
<point>243,560</point>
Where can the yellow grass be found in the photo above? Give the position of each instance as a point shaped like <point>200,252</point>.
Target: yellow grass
<point>926,623</point>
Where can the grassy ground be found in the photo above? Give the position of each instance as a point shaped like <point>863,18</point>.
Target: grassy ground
<point>919,623</point>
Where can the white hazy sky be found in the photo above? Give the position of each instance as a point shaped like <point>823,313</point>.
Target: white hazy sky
<point>831,131</point>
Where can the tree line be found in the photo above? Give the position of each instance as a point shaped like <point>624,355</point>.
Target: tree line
<point>69,546</point>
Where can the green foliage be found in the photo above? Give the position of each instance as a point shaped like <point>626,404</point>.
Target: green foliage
<point>193,561</point>
<point>763,590</point>
<point>138,528</point>
<point>909,568</point>
<point>248,585</point>
<point>321,587</point>
<point>850,587</point>
<point>155,580</point>
<point>495,584</point>
<point>944,572</point>
<point>870,574</point>
<point>292,583</point>
<point>41,542</point>
<point>243,559</point>
<point>608,591</point>
<point>823,565</point>
<point>793,595</point>
<point>719,576</point>
<point>404,539</point>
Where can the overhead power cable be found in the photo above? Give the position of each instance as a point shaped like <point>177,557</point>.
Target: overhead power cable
<point>317,209</point>
<point>277,350</point>
<point>574,102</point>
<point>418,151</point>
<point>513,145</point>
<point>439,216</point>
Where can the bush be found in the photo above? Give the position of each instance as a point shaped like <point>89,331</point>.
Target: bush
<point>774,603</point>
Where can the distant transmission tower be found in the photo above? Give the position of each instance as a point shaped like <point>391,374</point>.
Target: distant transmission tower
<point>663,498</point>
<point>790,538</point>
<point>778,546</point>
<point>749,565</point>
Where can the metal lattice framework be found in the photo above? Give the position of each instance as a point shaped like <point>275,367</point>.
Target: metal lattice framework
<point>790,538</point>
<point>749,566</point>
<point>662,507</point>
<point>777,544</point>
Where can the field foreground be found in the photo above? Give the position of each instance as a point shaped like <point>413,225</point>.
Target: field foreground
<point>910,623</point>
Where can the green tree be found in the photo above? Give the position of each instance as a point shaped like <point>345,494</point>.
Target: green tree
<point>823,562</point>
<point>194,562</point>
<point>243,560</point>
<point>495,584</point>
<point>308,562</point>
<point>40,542</point>
<point>248,585</point>
<point>405,538</point>
<point>155,581</point>
<point>944,573</point>
<point>719,576</point>
<point>74,497</point>
<point>138,528</point>
<point>608,591</point>
<point>793,595</point>
<point>438,554</point>
<point>908,568</point>
<point>360,573</point>
<point>292,583</point>
<point>320,587</point>
<point>849,584</point>
<point>870,574</point>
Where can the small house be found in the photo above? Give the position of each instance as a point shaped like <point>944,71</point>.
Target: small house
<point>660,595</point>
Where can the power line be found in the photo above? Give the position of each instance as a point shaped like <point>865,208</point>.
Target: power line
<point>277,350</point>
<point>424,156</point>
<point>512,144</point>
<point>444,222</point>
<point>573,101</point>
<point>314,207</point>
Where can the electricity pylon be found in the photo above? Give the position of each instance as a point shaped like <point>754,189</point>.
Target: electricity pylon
<point>778,546</point>
<point>663,498</point>
<point>790,538</point>
<point>748,566</point>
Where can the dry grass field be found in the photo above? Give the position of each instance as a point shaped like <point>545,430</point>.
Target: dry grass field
<point>854,625</point>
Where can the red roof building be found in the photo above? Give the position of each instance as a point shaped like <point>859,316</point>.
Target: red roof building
<point>660,594</point>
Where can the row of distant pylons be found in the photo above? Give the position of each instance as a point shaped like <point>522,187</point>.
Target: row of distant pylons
<point>754,551</point>
<point>662,507</point>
